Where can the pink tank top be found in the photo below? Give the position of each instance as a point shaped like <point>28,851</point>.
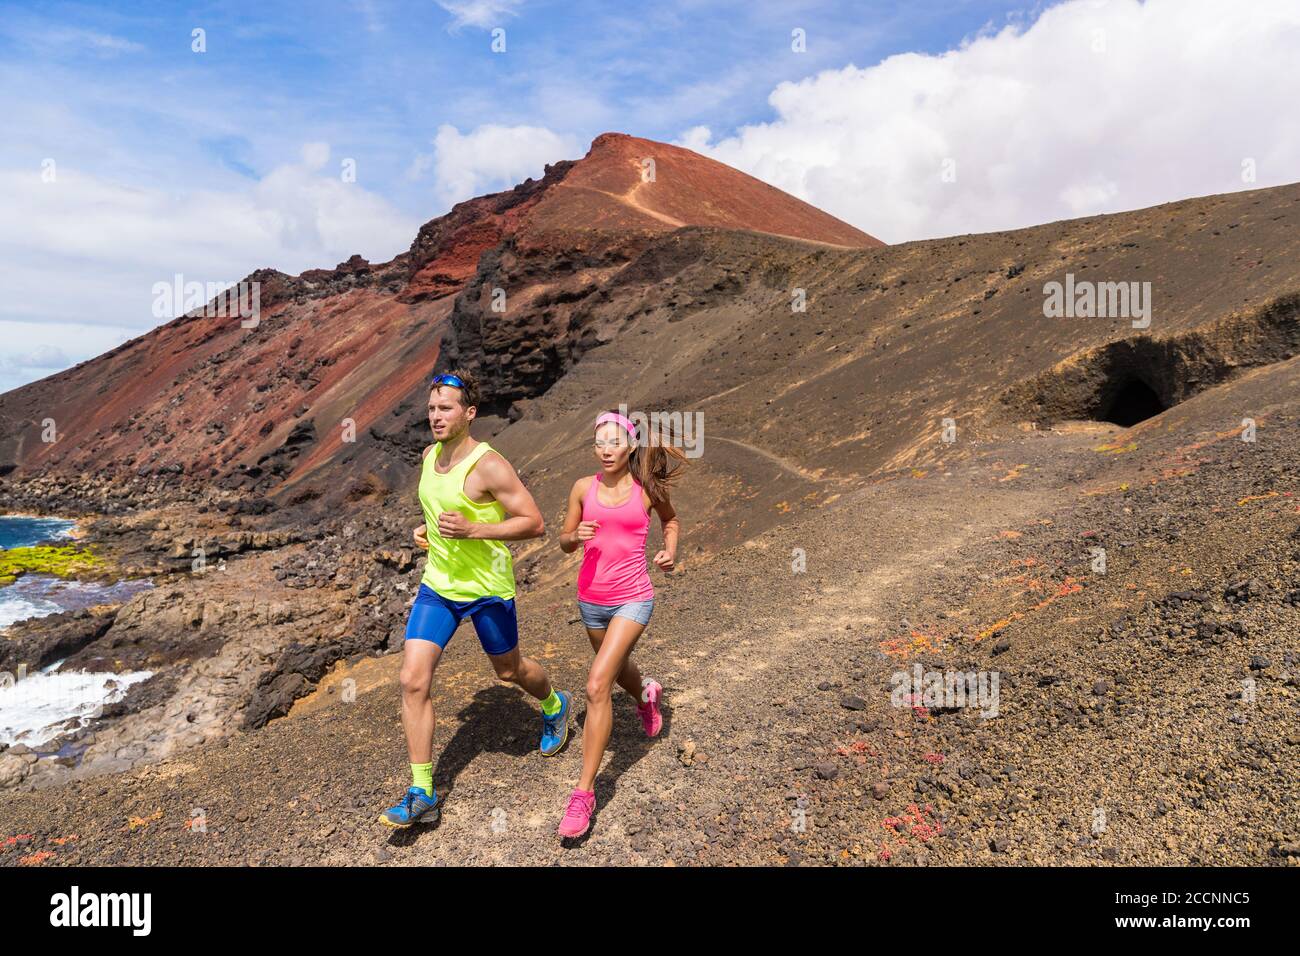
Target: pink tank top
<point>613,562</point>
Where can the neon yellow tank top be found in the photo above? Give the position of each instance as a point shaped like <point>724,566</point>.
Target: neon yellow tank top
<point>462,569</point>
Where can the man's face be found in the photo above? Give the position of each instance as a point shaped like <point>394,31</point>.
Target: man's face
<point>447,417</point>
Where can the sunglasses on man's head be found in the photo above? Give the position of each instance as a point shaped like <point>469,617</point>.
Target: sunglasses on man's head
<point>452,380</point>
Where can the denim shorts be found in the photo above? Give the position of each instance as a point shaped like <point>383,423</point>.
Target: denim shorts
<point>597,616</point>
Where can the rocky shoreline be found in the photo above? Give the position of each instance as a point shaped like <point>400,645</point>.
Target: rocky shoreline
<point>247,613</point>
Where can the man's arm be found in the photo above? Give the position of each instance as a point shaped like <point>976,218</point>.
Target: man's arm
<point>501,481</point>
<point>421,533</point>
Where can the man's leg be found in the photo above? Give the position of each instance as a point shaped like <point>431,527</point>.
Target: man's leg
<point>498,632</point>
<point>524,671</point>
<point>428,630</point>
<point>419,659</point>
<point>497,626</point>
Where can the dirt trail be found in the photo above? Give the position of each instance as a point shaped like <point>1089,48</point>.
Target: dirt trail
<point>736,643</point>
<point>629,199</point>
<point>785,464</point>
<point>1116,738</point>
<point>770,637</point>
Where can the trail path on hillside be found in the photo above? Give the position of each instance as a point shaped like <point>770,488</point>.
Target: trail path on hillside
<point>785,464</point>
<point>629,198</point>
<point>739,645</point>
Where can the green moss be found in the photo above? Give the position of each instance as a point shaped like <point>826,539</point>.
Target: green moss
<point>65,562</point>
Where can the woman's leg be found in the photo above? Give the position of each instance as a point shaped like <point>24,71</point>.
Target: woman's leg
<point>611,659</point>
<point>629,678</point>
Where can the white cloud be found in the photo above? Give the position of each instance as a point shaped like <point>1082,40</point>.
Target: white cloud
<point>46,39</point>
<point>86,251</point>
<point>490,157</point>
<point>696,138</point>
<point>315,155</point>
<point>1095,107</point>
<point>480,13</point>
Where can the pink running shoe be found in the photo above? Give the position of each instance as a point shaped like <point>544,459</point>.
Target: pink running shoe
<point>651,719</point>
<point>577,815</point>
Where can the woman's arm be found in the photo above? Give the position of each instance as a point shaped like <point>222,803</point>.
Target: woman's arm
<point>667,558</point>
<point>575,530</point>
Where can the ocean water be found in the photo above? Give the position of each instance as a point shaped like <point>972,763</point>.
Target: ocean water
<point>20,532</point>
<point>15,608</point>
<point>36,595</point>
<point>39,706</point>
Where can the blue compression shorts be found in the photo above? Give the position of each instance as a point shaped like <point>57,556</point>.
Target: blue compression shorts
<point>435,618</point>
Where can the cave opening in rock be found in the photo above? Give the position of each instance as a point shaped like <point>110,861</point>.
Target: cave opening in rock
<point>1135,402</point>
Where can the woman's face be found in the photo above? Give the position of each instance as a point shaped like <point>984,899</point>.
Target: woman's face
<point>612,447</point>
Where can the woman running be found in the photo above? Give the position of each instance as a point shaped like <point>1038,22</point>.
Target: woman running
<point>609,514</point>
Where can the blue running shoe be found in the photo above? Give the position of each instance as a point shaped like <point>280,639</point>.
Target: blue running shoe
<point>413,809</point>
<point>555,729</point>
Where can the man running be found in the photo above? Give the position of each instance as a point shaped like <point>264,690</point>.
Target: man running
<point>466,491</point>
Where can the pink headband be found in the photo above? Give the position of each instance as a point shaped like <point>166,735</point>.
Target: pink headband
<point>618,419</point>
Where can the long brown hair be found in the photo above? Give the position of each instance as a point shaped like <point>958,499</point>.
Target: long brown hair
<point>657,467</point>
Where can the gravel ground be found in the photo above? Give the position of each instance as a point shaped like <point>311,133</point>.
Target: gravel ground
<point>1144,715</point>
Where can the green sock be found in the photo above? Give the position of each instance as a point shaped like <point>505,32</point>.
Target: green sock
<point>551,706</point>
<point>422,776</point>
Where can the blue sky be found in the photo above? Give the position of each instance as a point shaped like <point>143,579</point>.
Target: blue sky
<point>212,164</point>
<point>376,79</point>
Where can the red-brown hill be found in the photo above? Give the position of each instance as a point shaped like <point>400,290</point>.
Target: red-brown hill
<point>339,350</point>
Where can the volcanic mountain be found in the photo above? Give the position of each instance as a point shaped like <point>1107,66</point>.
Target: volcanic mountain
<point>338,352</point>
